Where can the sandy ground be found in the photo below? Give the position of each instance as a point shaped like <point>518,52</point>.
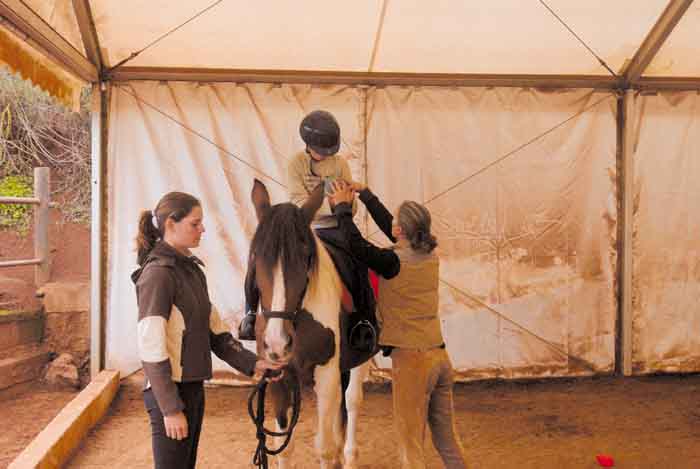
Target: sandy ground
<point>25,409</point>
<point>642,422</point>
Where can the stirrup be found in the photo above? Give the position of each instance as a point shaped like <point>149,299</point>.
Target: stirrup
<point>363,336</point>
<point>246,329</point>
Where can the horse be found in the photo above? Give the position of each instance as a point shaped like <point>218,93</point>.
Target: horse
<point>299,324</point>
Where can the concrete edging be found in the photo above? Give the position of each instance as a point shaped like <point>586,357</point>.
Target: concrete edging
<point>54,446</point>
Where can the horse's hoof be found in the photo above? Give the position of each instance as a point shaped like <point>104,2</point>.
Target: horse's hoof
<point>350,463</point>
<point>350,460</point>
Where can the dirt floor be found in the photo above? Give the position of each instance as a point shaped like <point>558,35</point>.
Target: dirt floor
<point>25,409</point>
<point>642,422</point>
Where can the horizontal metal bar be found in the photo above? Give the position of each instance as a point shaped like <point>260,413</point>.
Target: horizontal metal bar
<point>668,83</point>
<point>362,78</point>
<point>20,200</point>
<point>20,262</point>
<point>26,201</point>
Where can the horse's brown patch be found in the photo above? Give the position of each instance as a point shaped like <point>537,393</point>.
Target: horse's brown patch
<point>315,345</point>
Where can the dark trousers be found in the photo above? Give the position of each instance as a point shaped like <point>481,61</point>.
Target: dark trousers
<point>169,453</point>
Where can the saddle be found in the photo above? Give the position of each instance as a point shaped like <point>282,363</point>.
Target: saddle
<point>359,331</point>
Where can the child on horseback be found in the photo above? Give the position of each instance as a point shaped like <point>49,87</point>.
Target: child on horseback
<point>320,163</point>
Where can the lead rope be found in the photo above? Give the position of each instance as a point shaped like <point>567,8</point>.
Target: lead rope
<point>263,451</point>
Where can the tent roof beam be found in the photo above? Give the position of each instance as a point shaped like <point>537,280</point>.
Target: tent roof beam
<point>668,20</point>
<point>362,78</point>
<point>35,28</point>
<point>88,32</point>
<point>668,83</point>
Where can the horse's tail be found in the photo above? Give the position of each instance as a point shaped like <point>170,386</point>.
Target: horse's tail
<point>344,384</point>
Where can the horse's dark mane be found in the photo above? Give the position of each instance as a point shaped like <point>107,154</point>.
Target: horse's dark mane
<point>284,234</point>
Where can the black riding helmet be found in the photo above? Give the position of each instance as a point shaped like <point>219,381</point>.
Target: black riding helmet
<point>321,132</point>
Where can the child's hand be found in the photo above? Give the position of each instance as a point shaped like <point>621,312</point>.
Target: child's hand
<point>340,192</point>
<point>357,186</point>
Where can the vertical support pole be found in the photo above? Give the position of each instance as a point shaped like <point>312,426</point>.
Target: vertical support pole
<point>626,181</point>
<point>365,162</point>
<point>42,192</point>
<point>97,274</point>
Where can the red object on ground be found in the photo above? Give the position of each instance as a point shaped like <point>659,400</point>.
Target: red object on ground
<point>605,461</point>
<point>374,280</point>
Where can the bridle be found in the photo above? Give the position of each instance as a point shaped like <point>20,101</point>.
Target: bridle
<point>289,315</point>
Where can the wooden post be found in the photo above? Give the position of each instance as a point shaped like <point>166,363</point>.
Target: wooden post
<point>100,102</point>
<point>626,220</point>
<point>41,225</point>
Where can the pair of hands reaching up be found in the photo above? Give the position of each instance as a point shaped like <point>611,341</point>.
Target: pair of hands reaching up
<point>342,191</point>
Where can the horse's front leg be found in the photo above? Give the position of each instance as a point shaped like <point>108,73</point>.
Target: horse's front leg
<point>327,389</point>
<point>354,396</point>
<point>284,459</point>
<point>280,396</point>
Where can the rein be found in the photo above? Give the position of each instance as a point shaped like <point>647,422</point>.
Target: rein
<point>263,451</point>
<point>256,410</point>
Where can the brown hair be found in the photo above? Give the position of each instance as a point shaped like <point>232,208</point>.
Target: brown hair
<point>175,205</point>
<point>414,220</point>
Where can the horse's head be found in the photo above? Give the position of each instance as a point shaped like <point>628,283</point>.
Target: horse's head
<point>282,257</point>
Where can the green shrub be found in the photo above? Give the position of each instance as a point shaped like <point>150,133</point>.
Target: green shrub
<point>15,216</point>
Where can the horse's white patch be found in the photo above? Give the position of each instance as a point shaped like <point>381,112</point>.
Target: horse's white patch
<point>323,294</point>
<point>275,336</point>
<point>322,300</point>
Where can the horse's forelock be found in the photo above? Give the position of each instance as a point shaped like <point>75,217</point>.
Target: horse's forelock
<point>284,235</point>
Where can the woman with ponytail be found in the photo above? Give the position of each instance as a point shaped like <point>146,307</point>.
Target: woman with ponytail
<point>407,305</point>
<point>178,328</point>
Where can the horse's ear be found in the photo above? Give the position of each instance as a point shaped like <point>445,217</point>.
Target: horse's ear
<point>260,198</point>
<point>313,203</point>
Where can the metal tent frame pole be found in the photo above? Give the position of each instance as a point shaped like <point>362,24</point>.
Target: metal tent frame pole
<point>98,234</point>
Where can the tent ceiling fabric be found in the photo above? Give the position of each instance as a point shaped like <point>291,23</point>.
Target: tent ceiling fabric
<point>679,55</point>
<point>510,36</point>
<point>445,36</point>
<point>61,16</point>
<point>451,36</point>
<point>239,34</point>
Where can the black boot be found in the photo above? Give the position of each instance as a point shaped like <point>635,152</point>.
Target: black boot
<point>246,329</point>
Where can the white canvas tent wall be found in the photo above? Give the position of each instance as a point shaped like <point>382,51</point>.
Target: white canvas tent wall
<point>429,97</point>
